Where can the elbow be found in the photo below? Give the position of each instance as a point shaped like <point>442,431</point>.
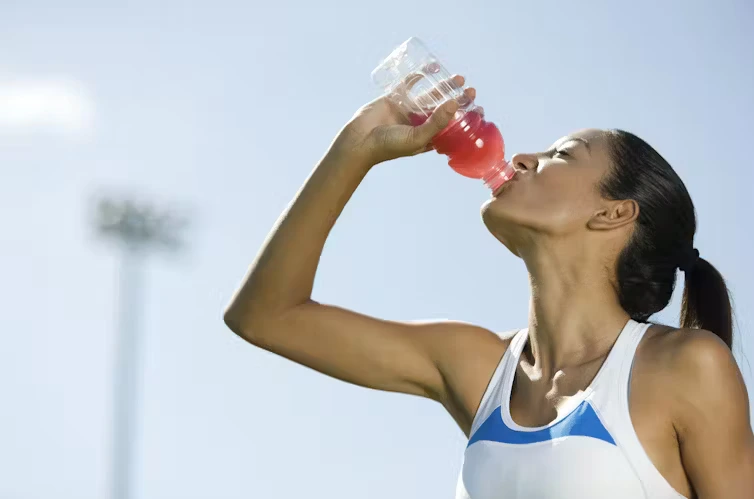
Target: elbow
<point>252,321</point>
<point>232,320</point>
<point>241,323</point>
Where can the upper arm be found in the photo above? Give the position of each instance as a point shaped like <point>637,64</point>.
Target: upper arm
<point>711,417</point>
<point>426,359</point>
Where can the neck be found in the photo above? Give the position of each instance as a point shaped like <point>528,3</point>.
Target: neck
<point>575,315</point>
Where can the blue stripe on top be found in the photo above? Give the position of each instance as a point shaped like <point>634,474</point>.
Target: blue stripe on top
<point>582,422</point>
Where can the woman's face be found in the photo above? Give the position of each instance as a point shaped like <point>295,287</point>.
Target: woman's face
<point>555,192</point>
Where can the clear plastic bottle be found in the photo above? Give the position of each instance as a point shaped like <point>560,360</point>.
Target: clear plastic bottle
<point>416,80</point>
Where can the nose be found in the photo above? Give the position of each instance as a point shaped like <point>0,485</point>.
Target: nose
<point>524,162</point>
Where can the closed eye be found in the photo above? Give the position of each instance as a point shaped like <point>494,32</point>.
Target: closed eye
<point>559,152</point>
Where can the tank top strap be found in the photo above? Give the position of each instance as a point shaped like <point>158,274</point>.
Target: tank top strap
<point>510,361</point>
<point>501,378</point>
<point>510,365</point>
<point>517,345</point>
<point>613,378</point>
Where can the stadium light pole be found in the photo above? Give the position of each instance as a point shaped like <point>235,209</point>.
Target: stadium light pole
<point>138,230</point>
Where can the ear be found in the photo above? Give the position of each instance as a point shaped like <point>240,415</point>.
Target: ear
<point>614,214</point>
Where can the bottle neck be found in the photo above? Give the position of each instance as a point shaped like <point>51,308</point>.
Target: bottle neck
<point>498,175</point>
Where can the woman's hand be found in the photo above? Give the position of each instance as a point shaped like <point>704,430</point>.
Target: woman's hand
<point>379,131</point>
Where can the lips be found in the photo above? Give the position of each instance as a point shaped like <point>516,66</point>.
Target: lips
<point>503,187</point>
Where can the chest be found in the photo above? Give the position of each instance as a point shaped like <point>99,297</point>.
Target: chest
<point>536,401</point>
<point>557,469</point>
<point>576,461</point>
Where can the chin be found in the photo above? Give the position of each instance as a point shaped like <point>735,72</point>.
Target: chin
<point>506,222</point>
<point>501,222</point>
<point>486,206</point>
<point>497,211</point>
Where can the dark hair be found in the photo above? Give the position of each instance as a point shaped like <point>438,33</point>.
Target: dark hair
<point>663,238</point>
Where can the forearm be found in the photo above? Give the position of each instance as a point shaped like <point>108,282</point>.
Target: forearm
<point>282,275</point>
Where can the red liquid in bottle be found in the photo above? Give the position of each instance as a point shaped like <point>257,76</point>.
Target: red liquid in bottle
<point>475,148</point>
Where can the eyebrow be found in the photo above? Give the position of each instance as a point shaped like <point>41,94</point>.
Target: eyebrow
<point>574,139</point>
<point>578,139</point>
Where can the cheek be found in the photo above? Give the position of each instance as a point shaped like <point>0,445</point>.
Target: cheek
<point>562,206</point>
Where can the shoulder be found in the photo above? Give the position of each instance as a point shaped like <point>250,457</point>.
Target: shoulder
<point>458,348</point>
<point>694,369</point>
<point>469,347</point>
<point>464,335</point>
<point>467,364</point>
<point>701,388</point>
<point>506,337</point>
<point>687,353</point>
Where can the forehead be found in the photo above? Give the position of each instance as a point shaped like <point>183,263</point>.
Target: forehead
<point>593,136</point>
<point>590,134</point>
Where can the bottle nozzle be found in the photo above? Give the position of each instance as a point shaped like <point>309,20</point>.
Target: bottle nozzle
<point>499,175</point>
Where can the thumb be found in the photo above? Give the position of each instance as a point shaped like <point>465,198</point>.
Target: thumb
<point>423,133</point>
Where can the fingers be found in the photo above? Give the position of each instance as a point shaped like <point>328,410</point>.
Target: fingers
<point>432,99</point>
<point>445,87</point>
<point>425,102</point>
<point>422,150</point>
<point>423,134</point>
<point>439,119</point>
<point>411,80</point>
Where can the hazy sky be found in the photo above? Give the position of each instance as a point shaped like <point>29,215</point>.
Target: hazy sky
<point>222,108</point>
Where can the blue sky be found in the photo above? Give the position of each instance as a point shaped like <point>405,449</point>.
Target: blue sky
<point>223,108</point>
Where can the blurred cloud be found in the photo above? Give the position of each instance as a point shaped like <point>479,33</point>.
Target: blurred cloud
<point>45,105</point>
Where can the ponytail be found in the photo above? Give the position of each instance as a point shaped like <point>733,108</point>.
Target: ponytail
<point>706,301</point>
<point>662,241</point>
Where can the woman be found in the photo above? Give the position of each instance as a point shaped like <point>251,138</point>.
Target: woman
<point>589,401</point>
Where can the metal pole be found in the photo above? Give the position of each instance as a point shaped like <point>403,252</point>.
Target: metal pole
<point>126,372</point>
<point>138,230</point>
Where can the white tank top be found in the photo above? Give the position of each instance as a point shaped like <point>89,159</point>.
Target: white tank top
<point>590,451</point>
